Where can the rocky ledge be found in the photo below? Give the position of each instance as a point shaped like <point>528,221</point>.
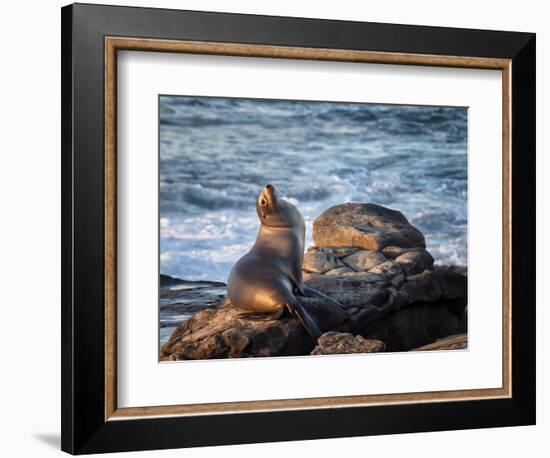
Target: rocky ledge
<point>180,299</point>
<point>227,332</point>
<point>371,260</point>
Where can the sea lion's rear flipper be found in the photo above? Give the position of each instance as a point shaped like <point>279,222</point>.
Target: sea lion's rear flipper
<point>310,292</point>
<point>299,311</point>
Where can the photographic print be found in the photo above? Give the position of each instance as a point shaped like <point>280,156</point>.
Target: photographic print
<point>297,228</point>
<point>241,203</point>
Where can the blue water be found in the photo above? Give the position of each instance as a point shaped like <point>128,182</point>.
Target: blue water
<point>217,153</point>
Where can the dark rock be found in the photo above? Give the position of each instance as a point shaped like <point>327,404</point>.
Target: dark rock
<point>398,280</point>
<point>421,288</point>
<point>370,296</point>
<point>338,343</point>
<point>168,281</point>
<point>368,226</point>
<point>326,314</point>
<point>453,285</point>
<point>463,270</point>
<point>417,325</point>
<point>415,262</point>
<point>455,342</point>
<point>373,310</point>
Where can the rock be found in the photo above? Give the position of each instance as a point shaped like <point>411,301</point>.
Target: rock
<point>415,262</point>
<point>179,299</point>
<point>374,310</point>
<point>360,290</point>
<point>320,262</point>
<point>338,343</point>
<point>339,271</point>
<point>367,277</point>
<point>388,287</point>
<point>398,280</point>
<point>364,260</point>
<point>226,332</point>
<point>367,226</point>
<point>222,333</point>
<point>338,251</point>
<point>393,252</point>
<point>463,270</point>
<point>454,342</point>
<point>166,281</point>
<point>366,296</point>
<point>326,314</point>
<point>388,269</point>
<point>421,288</point>
<point>417,325</point>
<point>453,285</point>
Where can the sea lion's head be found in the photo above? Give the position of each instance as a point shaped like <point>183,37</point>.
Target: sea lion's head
<point>276,212</point>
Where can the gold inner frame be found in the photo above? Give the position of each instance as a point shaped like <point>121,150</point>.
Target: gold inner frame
<point>114,44</point>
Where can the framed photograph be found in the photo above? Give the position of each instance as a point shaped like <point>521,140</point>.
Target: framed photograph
<point>283,228</point>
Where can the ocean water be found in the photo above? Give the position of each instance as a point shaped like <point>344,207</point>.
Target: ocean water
<point>217,153</point>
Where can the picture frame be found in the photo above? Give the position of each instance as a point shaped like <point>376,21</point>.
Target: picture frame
<point>92,35</point>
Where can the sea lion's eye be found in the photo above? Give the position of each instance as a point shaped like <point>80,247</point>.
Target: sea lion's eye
<point>262,202</point>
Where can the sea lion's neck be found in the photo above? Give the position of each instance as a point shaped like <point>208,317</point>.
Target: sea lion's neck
<point>281,241</point>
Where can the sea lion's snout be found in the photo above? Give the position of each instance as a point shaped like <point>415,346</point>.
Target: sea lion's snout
<point>276,212</point>
<point>268,195</point>
<point>269,190</point>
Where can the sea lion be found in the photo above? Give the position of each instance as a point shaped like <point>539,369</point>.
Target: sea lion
<point>268,278</point>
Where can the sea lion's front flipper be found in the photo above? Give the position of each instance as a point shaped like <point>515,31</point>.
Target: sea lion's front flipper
<point>310,292</point>
<point>299,311</point>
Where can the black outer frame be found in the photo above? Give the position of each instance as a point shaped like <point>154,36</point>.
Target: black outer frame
<point>84,429</point>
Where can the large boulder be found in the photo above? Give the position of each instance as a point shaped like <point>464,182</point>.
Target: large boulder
<point>369,295</point>
<point>368,226</point>
<point>339,343</point>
